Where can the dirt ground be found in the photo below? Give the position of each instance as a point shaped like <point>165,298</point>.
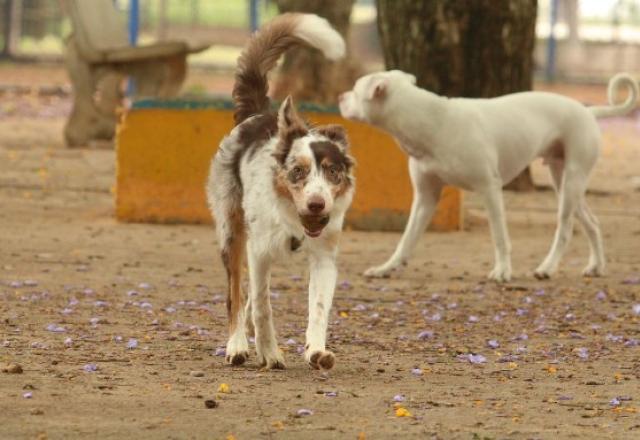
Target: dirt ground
<point>117,328</point>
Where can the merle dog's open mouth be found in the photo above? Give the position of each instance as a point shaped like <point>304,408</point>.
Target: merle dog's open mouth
<point>314,224</point>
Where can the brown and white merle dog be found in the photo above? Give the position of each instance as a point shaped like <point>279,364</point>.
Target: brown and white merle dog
<point>276,186</point>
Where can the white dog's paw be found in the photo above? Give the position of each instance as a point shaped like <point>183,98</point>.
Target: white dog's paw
<point>501,273</point>
<point>382,271</point>
<point>237,352</point>
<point>544,272</point>
<point>271,359</point>
<point>593,270</point>
<point>320,359</point>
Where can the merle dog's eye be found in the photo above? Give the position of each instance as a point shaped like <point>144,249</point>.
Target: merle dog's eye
<point>297,170</point>
<point>296,173</point>
<point>334,172</point>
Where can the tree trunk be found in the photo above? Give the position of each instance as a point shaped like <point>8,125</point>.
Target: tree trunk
<point>305,73</point>
<point>475,49</point>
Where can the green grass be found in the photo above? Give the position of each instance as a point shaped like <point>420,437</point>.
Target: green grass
<point>227,13</point>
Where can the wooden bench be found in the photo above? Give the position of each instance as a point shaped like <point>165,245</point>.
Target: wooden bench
<point>98,57</point>
<point>164,148</point>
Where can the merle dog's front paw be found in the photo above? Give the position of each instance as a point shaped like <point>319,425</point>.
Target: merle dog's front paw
<point>320,359</point>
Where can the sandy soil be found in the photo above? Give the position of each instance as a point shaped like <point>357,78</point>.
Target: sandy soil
<point>77,288</point>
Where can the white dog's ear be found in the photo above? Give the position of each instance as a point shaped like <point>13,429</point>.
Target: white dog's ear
<point>377,89</point>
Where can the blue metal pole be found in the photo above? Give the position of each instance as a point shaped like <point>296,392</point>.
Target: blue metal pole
<point>254,16</point>
<point>134,27</point>
<point>134,21</point>
<point>551,44</point>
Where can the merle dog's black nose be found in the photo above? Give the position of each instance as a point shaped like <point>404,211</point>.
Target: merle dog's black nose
<point>315,206</point>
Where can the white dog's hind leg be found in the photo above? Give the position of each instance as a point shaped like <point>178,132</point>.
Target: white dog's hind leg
<point>497,221</point>
<point>323,274</point>
<point>268,353</point>
<point>589,223</point>
<point>570,193</point>
<point>591,227</point>
<point>426,193</point>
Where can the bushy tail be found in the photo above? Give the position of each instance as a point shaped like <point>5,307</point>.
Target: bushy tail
<point>264,49</point>
<point>614,109</point>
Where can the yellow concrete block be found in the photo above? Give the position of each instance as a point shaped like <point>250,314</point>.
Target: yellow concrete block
<point>163,157</point>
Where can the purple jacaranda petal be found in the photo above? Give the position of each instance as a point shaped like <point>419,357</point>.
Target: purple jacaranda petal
<point>399,398</point>
<point>73,302</point>
<point>614,338</point>
<point>561,398</point>
<point>632,281</point>
<point>133,293</point>
<point>425,334</point>
<point>344,285</point>
<point>403,338</point>
<point>100,303</point>
<point>576,335</point>
<point>569,316</point>
<point>170,309</point>
<point>601,295</point>
<point>478,289</point>
<point>417,371</point>
<point>220,351</point>
<point>507,358</point>
<point>146,305</point>
<point>295,278</point>
<point>631,342</point>
<point>493,343</point>
<point>522,312</point>
<point>6,343</point>
<point>614,402</point>
<point>304,412</point>
<point>252,339</point>
<point>611,316</point>
<point>118,338</point>
<point>528,300</point>
<point>55,328</point>
<point>636,309</point>
<point>472,358</point>
<point>359,308</point>
<point>300,349</point>
<point>16,284</point>
<point>435,317</point>
<point>68,342</point>
<point>66,311</point>
<point>94,321</point>
<point>521,337</point>
<point>145,286</point>
<point>290,341</point>
<point>30,283</point>
<point>331,394</point>
<point>539,292</point>
<point>132,343</point>
<point>275,294</point>
<point>452,306</point>
<point>582,353</point>
<point>155,322</point>
<point>40,345</point>
<point>88,292</point>
<point>28,395</point>
<point>521,349</point>
<point>90,368</point>
<point>374,315</point>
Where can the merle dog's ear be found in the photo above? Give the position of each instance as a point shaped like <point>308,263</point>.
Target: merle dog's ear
<point>335,133</point>
<point>290,127</point>
<point>288,116</point>
<point>377,89</point>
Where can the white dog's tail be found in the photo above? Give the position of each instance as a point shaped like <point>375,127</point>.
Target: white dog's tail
<point>614,109</point>
<point>264,49</point>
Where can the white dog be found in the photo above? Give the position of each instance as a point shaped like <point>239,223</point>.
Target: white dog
<point>276,185</point>
<point>482,144</point>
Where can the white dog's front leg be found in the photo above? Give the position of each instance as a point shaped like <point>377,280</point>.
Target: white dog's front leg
<point>502,246</point>
<point>426,193</point>
<point>322,283</point>
<point>269,355</point>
